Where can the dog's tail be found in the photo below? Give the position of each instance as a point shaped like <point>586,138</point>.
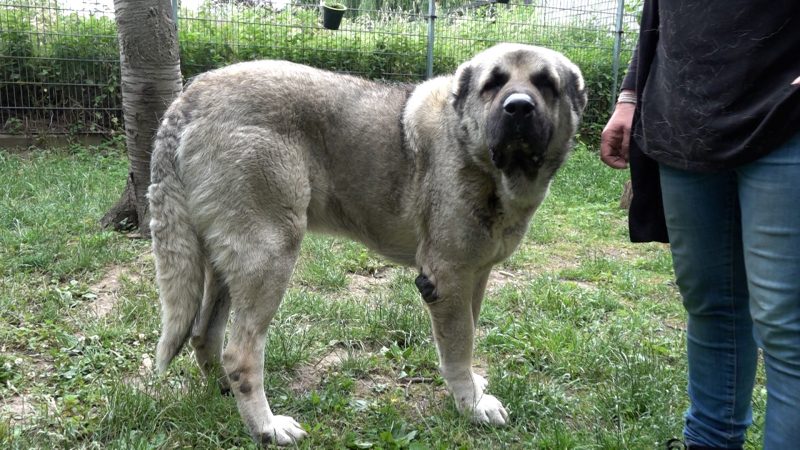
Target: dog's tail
<point>178,253</point>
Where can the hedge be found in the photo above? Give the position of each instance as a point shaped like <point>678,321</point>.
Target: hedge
<point>66,64</point>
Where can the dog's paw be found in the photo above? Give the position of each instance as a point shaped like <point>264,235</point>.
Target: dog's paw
<point>282,430</point>
<point>489,411</point>
<point>480,381</point>
<point>224,386</point>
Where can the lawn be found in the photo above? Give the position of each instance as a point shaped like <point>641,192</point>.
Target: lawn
<point>581,336</point>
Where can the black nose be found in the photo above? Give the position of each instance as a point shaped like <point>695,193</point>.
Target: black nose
<point>518,105</point>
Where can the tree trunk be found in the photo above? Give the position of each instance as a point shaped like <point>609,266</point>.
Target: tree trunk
<point>151,79</point>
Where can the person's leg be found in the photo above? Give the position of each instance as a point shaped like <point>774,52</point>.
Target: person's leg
<point>769,192</point>
<point>703,222</point>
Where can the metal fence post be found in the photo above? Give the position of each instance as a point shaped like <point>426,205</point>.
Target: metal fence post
<point>431,18</point>
<point>617,50</point>
<point>175,12</point>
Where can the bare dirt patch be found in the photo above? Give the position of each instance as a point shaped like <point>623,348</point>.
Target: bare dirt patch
<point>586,286</point>
<point>365,286</point>
<point>309,376</point>
<point>16,409</point>
<point>622,253</point>
<point>373,384</point>
<point>500,278</point>
<point>108,288</point>
<point>19,408</point>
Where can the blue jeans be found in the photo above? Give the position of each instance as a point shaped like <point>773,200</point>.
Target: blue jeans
<point>735,240</point>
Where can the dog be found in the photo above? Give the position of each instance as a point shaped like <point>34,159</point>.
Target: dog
<point>443,176</point>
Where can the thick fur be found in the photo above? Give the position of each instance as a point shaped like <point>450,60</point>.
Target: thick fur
<point>443,176</point>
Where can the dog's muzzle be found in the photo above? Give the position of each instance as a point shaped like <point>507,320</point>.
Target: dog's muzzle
<point>519,134</point>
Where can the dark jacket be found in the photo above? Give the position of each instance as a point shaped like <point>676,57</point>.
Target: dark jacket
<point>719,93</point>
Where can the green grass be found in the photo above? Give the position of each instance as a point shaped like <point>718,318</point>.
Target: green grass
<point>581,334</point>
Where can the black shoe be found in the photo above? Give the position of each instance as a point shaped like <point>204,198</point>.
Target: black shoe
<point>677,444</point>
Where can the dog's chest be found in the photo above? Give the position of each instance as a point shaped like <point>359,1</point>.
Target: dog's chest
<point>503,228</point>
<point>509,235</point>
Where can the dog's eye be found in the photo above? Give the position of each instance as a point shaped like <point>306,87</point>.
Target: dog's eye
<point>497,80</point>
<point>545,83</point>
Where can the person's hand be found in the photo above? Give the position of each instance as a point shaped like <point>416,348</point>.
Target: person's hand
<point>616,137</point>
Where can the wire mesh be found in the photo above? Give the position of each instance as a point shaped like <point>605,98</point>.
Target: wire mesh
<point>59,61</point>
<point>372,43</point>
<point>59,67</point>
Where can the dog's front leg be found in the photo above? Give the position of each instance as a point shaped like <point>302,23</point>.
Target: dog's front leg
<point>449,297</point>
<point>477,300</point>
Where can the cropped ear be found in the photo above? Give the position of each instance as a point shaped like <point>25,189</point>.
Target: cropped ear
<point>461,85</point>
<point>576,89</point>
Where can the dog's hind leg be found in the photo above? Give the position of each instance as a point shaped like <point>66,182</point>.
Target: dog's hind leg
<point>208,331</point>
<point>256,291</point>
<point>252,214</point>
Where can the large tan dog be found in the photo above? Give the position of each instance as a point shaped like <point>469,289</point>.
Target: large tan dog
<point>443,176</point>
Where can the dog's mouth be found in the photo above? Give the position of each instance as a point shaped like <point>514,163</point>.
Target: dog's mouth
<point>518,154</point>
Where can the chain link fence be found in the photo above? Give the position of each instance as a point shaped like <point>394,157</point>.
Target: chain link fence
<point>59,61</point>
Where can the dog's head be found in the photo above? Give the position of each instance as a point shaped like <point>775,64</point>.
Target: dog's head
<point>519,107</point>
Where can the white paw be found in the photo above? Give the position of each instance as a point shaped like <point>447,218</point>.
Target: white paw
<point>489,411</point>
<point>282,430</point>
<point>480,382</point>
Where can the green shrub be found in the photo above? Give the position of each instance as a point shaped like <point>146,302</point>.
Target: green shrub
<point>17,51</point>
<point>62,68</point>
<point>70,61</point>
